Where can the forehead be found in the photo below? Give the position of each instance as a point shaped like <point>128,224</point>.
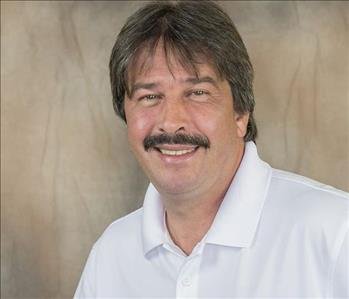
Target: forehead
<point>163,62</point>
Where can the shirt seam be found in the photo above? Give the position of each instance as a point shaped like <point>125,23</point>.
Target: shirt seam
<point>279,174</point>
<point>339,243</point>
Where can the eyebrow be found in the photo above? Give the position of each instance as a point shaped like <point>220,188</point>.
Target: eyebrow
<point>192,80</point>
<point>206,79</point>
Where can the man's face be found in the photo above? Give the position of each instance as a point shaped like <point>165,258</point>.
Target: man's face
<point>173,101</point>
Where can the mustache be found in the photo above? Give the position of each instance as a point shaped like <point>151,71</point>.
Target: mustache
<point>153,141</point>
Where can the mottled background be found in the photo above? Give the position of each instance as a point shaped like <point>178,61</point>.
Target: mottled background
<point>66,169</point>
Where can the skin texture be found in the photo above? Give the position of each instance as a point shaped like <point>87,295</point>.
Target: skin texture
<point>167,100</point>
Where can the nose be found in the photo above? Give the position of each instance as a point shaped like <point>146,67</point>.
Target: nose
<point>173,117</point>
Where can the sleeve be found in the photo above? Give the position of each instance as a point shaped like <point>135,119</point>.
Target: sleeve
<point>341,270</point>
<point>87,284</point>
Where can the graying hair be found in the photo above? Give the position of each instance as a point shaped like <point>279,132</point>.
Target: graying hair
<point>190,30</point>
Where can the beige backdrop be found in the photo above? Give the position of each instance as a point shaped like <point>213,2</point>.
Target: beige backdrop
<point>66,169</point>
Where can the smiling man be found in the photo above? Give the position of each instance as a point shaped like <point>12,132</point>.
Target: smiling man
<point>216,220</point>
<point>181,125</point>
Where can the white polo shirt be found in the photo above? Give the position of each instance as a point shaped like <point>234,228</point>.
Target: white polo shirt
<point>275,235</point>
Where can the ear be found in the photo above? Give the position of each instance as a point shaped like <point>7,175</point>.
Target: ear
<point>241,121</point>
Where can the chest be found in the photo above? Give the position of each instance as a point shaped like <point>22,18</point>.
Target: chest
<point>287,266</point>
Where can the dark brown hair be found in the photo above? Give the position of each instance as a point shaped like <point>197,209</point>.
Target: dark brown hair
<point>189,29</point>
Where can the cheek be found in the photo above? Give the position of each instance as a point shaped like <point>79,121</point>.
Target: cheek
<point>216,125</point>
<point>138,122</point>
<point>139,125</point>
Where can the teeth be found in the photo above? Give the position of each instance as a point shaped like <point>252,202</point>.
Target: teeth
<point>176,153</point>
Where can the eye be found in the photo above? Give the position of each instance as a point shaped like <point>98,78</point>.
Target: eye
<point>198,95</point>
<point>149,97</point>
<point>199,92</point>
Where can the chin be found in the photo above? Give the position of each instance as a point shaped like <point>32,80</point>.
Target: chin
<point>174,185</point>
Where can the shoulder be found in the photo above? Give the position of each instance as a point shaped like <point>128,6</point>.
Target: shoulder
<point>294,186</point>
<point>125,224</point>
<point>304,183</point>
<point>110,258</point>
<point>121,234</point>
<point>307,202</point>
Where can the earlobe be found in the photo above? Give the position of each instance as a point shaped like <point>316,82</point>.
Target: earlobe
<point>241,121</point>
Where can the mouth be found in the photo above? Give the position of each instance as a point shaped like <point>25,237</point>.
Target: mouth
<point>175,151</point>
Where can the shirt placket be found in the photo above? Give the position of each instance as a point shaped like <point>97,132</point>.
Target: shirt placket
<point>187,281</point>
<point>188,276</point>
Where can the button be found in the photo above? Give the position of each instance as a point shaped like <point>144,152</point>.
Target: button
<point>186,282</point>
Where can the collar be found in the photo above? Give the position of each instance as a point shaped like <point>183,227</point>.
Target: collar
<point>153,228</point>
<point>237,218</point>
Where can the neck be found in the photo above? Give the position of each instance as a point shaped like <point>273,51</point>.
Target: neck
<point>187,226</point>
<point>189,217</point>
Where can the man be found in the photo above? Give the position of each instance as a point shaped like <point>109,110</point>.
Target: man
<point>216,221</point>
